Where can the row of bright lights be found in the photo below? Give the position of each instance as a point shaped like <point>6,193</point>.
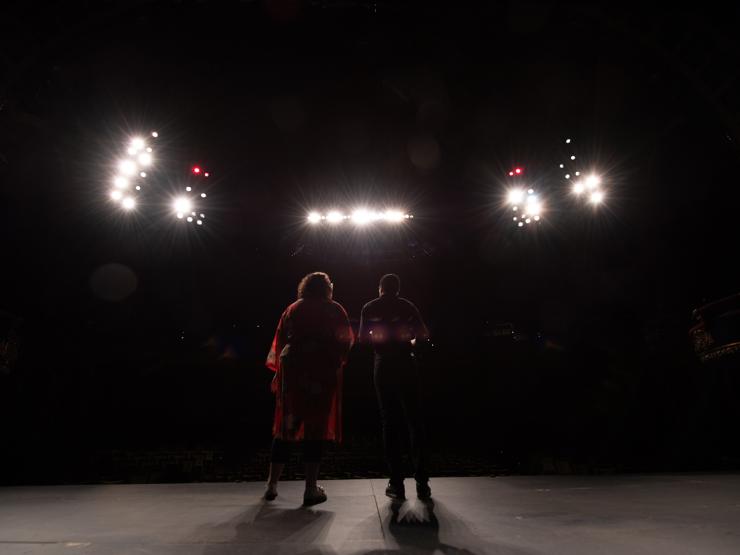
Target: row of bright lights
<point>361,216</point>
<point>528,207</point>
<point>141,157</point>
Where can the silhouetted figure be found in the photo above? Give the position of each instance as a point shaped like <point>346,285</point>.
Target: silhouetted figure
<point>308,355</point>
<point>392,325</point>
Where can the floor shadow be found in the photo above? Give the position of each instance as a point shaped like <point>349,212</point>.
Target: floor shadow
<point>415,528</point>
<point>299,526</point>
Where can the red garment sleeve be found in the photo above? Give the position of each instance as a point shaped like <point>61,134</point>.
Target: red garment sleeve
<point>278,342</point>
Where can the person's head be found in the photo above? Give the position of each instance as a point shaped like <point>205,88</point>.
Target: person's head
<point>390,284</point>
<point>315,285</point>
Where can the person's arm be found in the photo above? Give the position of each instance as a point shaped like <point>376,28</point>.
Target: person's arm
<point>364,332</point>
<point>421,332</point>
<point>273,357</point>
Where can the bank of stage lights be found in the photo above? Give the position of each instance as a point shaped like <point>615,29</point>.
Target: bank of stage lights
<point>360,217</point>
<point>130,176</point>
<point>131,172</point>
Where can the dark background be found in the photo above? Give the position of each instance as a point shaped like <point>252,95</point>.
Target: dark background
<point>560,348</point>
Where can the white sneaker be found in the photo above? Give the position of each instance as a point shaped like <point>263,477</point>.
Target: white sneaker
<point>314,497</point>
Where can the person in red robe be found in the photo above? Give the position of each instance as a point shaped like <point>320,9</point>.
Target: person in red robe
<point>308,354</point>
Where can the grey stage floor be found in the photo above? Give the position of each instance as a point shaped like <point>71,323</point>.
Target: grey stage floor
<point>513,515</point>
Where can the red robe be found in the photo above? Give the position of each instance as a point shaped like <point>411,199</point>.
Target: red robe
<point>308,354</point>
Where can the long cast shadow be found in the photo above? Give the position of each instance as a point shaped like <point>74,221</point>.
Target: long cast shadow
<point>273,525</point>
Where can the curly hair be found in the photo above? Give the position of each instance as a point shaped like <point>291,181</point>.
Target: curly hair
<point>315,285</point>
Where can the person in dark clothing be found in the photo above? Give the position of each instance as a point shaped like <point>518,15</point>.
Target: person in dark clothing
<point>392,326</point>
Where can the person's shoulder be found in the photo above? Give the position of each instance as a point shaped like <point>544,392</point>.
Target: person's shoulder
<point>407,303</point>
<point>338,307</point>
<point>370,304</point>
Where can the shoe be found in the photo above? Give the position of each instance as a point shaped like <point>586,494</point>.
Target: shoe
<point>395,491</point>
<point>270,493</point>
<point>314,497</point>
<point>423,491</point>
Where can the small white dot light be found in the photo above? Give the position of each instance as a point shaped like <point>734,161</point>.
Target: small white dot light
<point>573,157</point>
<point>199,222</point>
<point>155,134</point>
<point>567,141</point>
<point>190,219</point>
<point>203,195</point>
<point>138,187</point>
<point>188,189</point>
<point>143,174</point>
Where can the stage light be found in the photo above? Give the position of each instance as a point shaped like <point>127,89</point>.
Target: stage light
<point>334,217</point>
<point>120,182</point>
<point>362,216</point>
<point>394,216</point>
<point>179,215</point>
<point>511,174</point>
<point>138,187</point>
<point>567,176</point>
<point>536,218</point>
<point>132,151</point>
<point>199,222</point>
<point>145,158</point>
<point>190,219</point>
<point>142,174</point>
<point>520,224</point>
<point>155,134</point>
<point>534,209</point>
<point>188,189</point>
<point>567,141</point>
<point>578,188</point>
<point>313,217</point>
<point>182,204</point>
<point>593,181</point>
<point>516,196</point>
<point>528,220</point>
<point>578,173</point>
<point>137,143</point>
<point>196,169</point>
<point>127,167</point>
<point>128,203</point>
<point>596,197</point>
<point>116,195</point>
<point>573,157</point>
<point>207,174</point>
<point>203,216</point>
<point>203,195</point>
<point>562,166</point>
<point>148,149</point>
<point>518,171</point>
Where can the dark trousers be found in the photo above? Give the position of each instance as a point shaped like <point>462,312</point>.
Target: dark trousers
<point>313,450</point>
<point>399,399</point>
